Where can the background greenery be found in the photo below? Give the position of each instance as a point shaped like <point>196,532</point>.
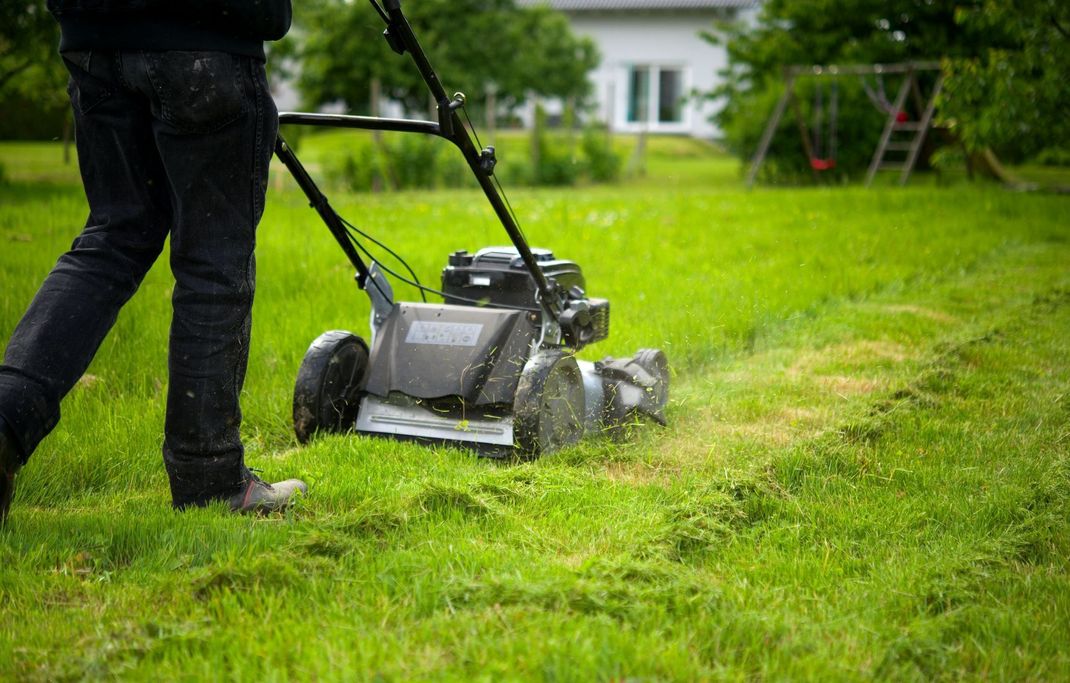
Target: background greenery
<point>865,473</point>
<point>1006,63</point>
<point>477,45</point>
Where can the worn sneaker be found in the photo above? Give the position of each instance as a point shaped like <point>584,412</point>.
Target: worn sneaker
<point>9,465</point>
<point>258,496</point>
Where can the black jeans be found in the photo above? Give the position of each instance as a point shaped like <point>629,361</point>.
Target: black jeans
<point>168,143</point>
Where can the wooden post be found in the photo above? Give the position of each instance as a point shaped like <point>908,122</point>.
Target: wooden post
<point>611,110</point>
<point>377,135</point>
<point>492,112</point>
<point>68,128</point>
<point>915,90</point>
<point>804,132</point>
<point>770,129</point>
<point>536,136</point>
<point>889,127</point>
<point>640,152</point>
<point>924,122</point>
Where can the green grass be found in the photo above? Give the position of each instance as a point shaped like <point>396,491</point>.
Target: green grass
<point>866,473</point>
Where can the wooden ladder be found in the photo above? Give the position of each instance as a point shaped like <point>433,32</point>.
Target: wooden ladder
<point>918,129</point>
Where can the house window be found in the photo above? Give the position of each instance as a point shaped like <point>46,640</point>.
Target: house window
<point>655,93</point>
<point>670,96</point>
<point>639,95</point>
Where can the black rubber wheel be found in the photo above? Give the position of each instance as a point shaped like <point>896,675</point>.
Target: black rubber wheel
<point>327,392</point>
<point>549,406</point>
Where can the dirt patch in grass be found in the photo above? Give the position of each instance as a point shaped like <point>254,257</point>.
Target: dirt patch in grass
<point>855,354</point>
<point>920,311</point>
<point>843,385</point>
<point>766,434</point>
<point>638,474</point>
<point>711,430</point>
<point>774,400</point>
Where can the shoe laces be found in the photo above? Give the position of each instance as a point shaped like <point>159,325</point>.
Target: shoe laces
<point>252,476</point>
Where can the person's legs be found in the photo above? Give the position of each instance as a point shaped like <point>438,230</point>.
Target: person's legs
<point>178,140</point>
<point>72,312</point>
<point>215,131</point>
<point>78,303</point>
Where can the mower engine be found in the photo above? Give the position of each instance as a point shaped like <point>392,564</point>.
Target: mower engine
<point>488,368</point>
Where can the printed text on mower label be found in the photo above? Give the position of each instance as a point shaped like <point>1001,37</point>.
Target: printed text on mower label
<point>446,334</point>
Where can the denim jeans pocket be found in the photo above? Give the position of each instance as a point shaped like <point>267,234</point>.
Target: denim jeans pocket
<point>85,89</point>
<point>198,92</point>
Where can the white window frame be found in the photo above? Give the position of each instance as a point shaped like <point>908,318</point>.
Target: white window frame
<point>652,124</point>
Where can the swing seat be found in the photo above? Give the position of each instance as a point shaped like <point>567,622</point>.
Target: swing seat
<point>822,164</point>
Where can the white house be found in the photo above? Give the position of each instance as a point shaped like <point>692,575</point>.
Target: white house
<point>653,59</point>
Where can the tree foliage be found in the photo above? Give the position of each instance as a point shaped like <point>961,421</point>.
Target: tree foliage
<point>32,76</point>
<point>1013,96</point>
<point>473,44</point>
<point>28,39</point>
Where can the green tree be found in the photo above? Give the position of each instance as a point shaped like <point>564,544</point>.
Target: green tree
<point>32,77</point>
<point>338,49</point>
<point>28,38</point>
<point>1013,96</point>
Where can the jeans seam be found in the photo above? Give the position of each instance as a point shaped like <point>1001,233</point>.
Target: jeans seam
<point>257,203</point>
<point>120,72</point>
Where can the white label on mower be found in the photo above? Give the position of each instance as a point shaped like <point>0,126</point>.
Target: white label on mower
<point>445,334</point>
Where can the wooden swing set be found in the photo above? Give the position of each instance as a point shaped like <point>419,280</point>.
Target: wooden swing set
<point>820,139</point>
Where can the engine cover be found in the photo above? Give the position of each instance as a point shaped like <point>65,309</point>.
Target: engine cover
<point>498,275</point>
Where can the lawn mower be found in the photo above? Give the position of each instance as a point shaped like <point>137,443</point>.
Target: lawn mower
<point>492,367</point>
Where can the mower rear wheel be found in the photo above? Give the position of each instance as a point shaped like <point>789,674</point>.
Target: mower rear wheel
<point>636,387</point>
<point>327,392</point>
<point>549,406</point>
<point>655,362</point>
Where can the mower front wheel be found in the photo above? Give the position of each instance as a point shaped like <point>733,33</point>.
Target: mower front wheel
<point>327,392</point>
<point>548,410</point>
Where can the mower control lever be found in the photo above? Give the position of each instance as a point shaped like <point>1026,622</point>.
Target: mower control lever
<point>445,113</point>
<point>395,44</point>
<point>488,160</point>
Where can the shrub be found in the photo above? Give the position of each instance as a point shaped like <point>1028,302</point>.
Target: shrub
<point>406,162</point>
<point>1054,156</point>
<point>603,164</point>
<point>411,159</point>
<point>551,163</point>
<point>355,169</point>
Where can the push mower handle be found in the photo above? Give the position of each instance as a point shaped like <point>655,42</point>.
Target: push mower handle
<point>399,35</point>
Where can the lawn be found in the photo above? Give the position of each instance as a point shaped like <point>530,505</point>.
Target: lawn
<point>866,472</point>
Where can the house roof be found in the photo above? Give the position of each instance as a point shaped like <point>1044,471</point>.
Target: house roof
<point>618,5</point>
